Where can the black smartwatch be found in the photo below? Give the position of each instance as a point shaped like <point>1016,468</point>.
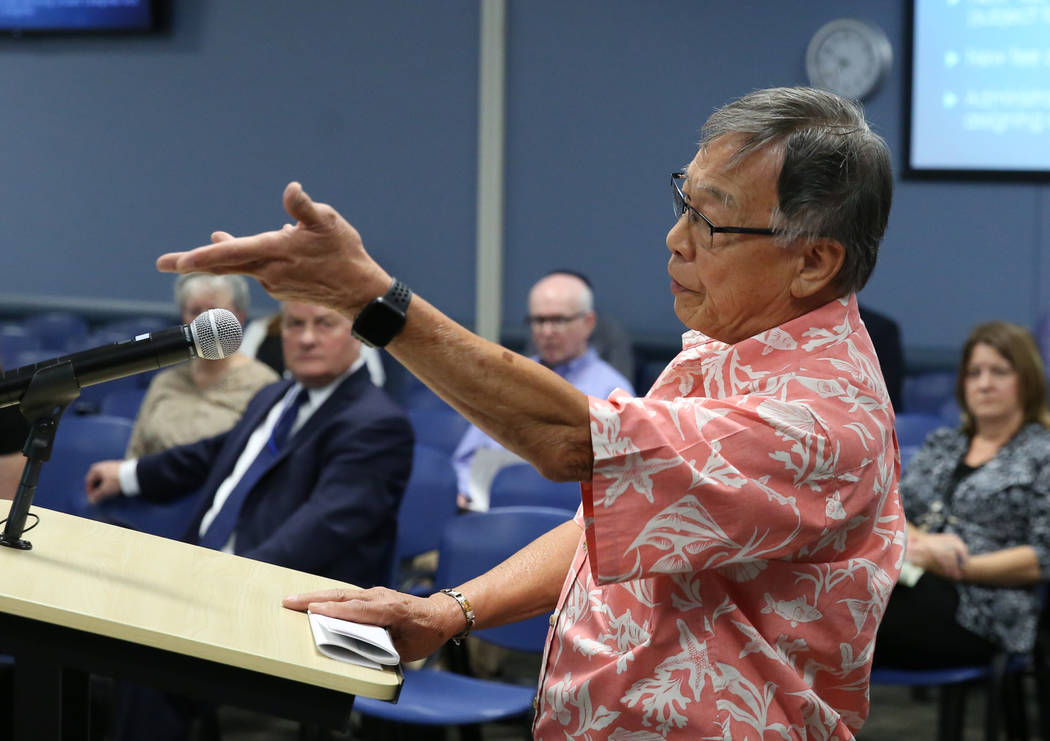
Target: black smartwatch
<point>383,317</point>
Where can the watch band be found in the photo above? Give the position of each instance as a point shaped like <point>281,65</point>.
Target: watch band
<point>468,613</point>
<point>398,296</point>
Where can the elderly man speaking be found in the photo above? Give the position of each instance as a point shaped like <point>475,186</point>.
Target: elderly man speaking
<point>740,527</point>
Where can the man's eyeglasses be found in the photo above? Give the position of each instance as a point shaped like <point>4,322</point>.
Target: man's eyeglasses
<point>556,321</point>
<point>681,206</point>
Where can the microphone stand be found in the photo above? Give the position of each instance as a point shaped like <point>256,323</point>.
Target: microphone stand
<point>50,391</point>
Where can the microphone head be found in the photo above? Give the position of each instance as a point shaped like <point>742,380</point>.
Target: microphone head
<point>216,334</point>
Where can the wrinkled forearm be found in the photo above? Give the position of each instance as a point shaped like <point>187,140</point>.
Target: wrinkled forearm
<point>526,584</point>
<point>527,408</point>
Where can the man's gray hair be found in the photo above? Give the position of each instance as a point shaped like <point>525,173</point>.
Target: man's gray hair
<point>835,181</point>
<point>237,285</point>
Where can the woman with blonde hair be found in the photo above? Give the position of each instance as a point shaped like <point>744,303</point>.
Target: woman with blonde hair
<point>978,505</point>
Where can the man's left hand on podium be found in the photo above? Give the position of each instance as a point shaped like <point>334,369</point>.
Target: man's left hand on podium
<point>418,626</point>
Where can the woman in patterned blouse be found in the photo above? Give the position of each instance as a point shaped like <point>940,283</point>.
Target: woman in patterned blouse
<point>978,505</point>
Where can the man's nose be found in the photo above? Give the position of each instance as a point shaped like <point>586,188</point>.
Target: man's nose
<point>678,239</point>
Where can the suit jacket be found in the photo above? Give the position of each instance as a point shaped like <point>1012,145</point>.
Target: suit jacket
<point>886,337</point>
<point>328,504</point>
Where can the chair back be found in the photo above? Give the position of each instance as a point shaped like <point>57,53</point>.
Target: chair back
<point>128,327</point>
<point>913,427</point>
<point>123,402</point>
<point>57,330</point>
<point>928,391</point>
<point>440,427</point>
<point>411,393</point>
<point>13,341</point>
<point>29,356</point>
<point>999,676</point>
<point>519,484</point>
<point>907,453</point>
<point>428,503</point>
<point>91,397</point>
<point>79,442</point>
<point>473,543</point>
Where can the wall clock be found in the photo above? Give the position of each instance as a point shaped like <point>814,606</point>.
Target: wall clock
<point>849,57</point>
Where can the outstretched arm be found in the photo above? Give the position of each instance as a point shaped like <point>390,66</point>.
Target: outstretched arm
<point>322,260</point>
<point>525,585</point>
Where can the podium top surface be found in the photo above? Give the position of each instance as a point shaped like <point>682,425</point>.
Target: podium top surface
<point>169,595</point>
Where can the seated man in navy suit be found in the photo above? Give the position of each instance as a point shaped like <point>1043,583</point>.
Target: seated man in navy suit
<point>310,478</point>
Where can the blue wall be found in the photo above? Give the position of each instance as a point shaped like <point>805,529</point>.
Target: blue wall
<point>122,148</point>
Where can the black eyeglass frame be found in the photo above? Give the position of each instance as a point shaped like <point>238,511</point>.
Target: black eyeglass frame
<point>681,205</point>
<point>558,322</point>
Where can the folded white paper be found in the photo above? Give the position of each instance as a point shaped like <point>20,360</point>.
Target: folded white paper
<point>910,574</point>
<point>356,643</point>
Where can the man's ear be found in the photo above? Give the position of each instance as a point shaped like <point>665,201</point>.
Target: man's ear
<point>819,263</point>
<point>589,320</point>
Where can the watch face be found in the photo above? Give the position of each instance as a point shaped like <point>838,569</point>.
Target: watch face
<point>378,323</point>
<point>848,57</point>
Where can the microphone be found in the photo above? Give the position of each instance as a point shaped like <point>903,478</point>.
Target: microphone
<point>213,335</point>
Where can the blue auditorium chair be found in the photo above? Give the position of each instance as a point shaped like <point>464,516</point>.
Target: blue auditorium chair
<point>79,442</point>
<point>13,342</point>
<point>907,453</point>
<point>92,398</point>
<point>519,484</point>
<point>128,327</point>
<point>953,685</point>
<point>411,393</point>
<point>471,544</point>
<point>57,330</point>
<point>928,391</point>
<point>440,427</point>
<point>123,401</point>
<point>428,503</point>
<point>912,428</point>
<point>31,356</point>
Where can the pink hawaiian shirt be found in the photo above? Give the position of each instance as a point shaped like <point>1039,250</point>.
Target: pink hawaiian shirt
<point>743,531</point>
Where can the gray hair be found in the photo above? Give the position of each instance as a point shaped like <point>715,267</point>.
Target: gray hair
<point>237,285</point>
<point>835,180</point>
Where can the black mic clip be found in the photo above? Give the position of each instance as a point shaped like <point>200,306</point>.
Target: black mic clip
<point>51,390</point>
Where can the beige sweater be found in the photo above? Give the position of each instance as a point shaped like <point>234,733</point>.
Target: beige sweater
<point>175,412</point>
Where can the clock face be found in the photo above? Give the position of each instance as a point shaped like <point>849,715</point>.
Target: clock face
<point>848,57</point>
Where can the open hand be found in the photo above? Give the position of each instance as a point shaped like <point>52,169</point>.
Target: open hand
<point>321,260</point>
<point>418,625</point>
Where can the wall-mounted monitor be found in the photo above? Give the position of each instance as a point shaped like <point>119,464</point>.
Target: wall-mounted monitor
<point>79,16</point>
<point>979,100</point>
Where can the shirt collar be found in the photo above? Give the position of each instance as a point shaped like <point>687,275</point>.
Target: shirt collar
<point>827,325</point>
<point>589,355</point>
<point>841,315</point>
<point>319,396</point>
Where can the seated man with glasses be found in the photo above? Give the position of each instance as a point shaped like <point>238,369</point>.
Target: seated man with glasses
<point>561,319</point>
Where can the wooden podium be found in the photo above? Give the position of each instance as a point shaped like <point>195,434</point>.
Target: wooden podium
<point>92,598</point>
